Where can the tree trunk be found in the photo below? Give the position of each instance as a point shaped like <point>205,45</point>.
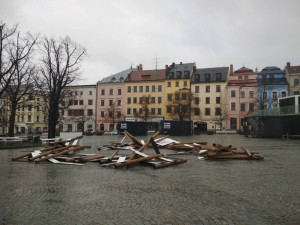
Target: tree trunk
<point>52,120</point>
<point>12,118</point>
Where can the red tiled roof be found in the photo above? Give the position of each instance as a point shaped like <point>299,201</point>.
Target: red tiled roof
<point>293,69</point>
<point>146,75</point>
<point>244,71</point>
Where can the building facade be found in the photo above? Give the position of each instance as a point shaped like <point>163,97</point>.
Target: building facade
<point>293,78</point>
<point>144,96</point>
<point>80,113</point>
<point>177,95</point>
<point>110,100</point>
<point>272,84</point>
<point>242,95</point>
<point>210,102</point>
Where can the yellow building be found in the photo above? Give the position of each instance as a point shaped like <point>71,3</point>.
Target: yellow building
<point>144,91</point>
<point>177,96</point>
<point>208,86</point>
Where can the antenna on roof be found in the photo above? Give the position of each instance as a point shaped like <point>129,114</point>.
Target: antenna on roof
<point>156,62</point>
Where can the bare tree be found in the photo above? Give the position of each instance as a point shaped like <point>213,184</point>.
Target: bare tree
<point>60,67</point>
<point>113,113</point>
<point>13,49</point>
<point>179,104</point>
<point>144,112</point>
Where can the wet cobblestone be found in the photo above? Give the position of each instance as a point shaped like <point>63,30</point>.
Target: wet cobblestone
<point>197,192</point>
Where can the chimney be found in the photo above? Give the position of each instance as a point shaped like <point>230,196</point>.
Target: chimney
<point>140,67</point>
<point>180,63</point>
<point>288,64</point>
<point>231,70</point>
<point>166,67</point>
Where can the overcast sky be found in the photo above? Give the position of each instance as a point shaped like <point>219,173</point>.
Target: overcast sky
<point>121,33</point>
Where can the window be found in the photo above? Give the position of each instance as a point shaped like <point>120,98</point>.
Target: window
<point>37,108</point>
<point>62,112</point>
<point>153,100</point>
<point>185,83</point>
<point>197,100</point>
<point>242,94</point>
<point>178,74</point>
<point>197,112</point>
<point>218,77</point>
<point>177,84</point>
<point>183,96</point>
<point>296,92</point>
<point>147,88</point>
<point>70,112</point>
<point>243,107</point>
<point>159,111</point>
<point>70,102</point>
<point>129,111</point>
<point>110,114</point>
<point>90,93</point>
<point>119,102</point>
<point>232,106</point>
<point>29,107</point>
<point>129,89</point>
<point>90,102</point>
<point>22,118</point>
<point>218,111</point>
<point>158,99</point>
<point>218,88</point>
<point>134,111</point>
<point>90,112</point>
<point>296,82</point>
<point>251,107</point>
<point>197,77</point>
<point>251,94</point>
<point>110,102</point>
<point>177,96</point>
<point>128,100</point>
<point>140,110</point>
<point>207,111</point>
<point>169,109</point>
<point>218,100</point>
<point>134,88</point>
<point>141,100</point>
<point>134,100</point>
<point>283,94</point>
<point>197,89</point>
<point>240,77</point>
<point>81,112</point>
<point>69,127</point>
<point>207,100</point>
<point>207,77</point>
<point>102,91</point>
<point>265,95</point>
<point>81,93</point>
<point>102,113</point>
<point>274,95</point>
<point>159,88</point>
<point>232,93</point>
<point>169,84</point>
<point>111,91</point>
<point>169,97</point>
<point>207,89</point>
<point>102,102</point>
<point>37,119</point>
<point>119,91</point>
<point>186,74</point>
<point>75,102</point>
<point>153,88</point>
<point>141,88</point>
<point>246,77</point>
<point>80,102</point>
<point>29,118</point>
<point>153,111</point>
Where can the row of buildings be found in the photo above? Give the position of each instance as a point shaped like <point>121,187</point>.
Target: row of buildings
<point>218,97</point>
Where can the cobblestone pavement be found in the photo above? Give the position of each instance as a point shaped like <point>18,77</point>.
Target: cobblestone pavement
<point>196,192</point>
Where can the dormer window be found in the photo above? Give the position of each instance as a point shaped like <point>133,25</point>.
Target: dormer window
<point>171,74</point>
<point>121,79</point>
<point>113,79</point>
<point>197,77</point>
<point>186,74</point>
<point>207,77</point>
<point>178,74</point>
<point>218,77</point>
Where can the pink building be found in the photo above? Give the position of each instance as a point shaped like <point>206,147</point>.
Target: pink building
<point>242,96</point>
<point>110,101</point>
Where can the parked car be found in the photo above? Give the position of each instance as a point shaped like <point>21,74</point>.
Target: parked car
<point>114,132</point>
<point>89,131</point>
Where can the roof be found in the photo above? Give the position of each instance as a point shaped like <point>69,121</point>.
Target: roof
<point>180,71</point>
<point>293,69</point>
<point>118,77</point>
<point>243,71</point>
<point>271,70</point>
<point>142,75</point>
<point>276,81</point>
<point>207,75</point>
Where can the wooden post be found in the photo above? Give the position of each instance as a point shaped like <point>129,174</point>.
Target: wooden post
<point>144,146</point>
<point>59,154</point>
<point>165,164</point>
<point>114,154</point>
<point>49,152</point>
<point>247,151</point>
<point>129,161</point>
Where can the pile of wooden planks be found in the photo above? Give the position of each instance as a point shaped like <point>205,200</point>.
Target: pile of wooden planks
<point>62,152</point>
<point>158,160</point>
